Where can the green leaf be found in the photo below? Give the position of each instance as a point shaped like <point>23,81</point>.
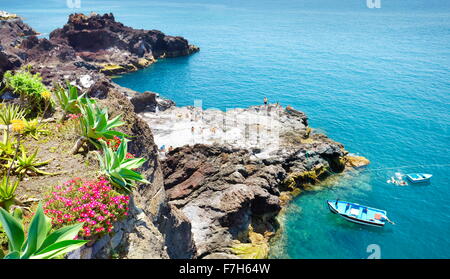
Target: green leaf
<point>37,232</point>
<point>112,133</point>
<point>12,256</point>
<point>122,150</point>
<point>100,159</point>
<point>59,248</point>
<point>48,222</point>
<point>133,163</point>
<point>118,180</point>
<point>101,123</point>
<point>65,233</point>
<point>13,229</point>
<point>115,122</point>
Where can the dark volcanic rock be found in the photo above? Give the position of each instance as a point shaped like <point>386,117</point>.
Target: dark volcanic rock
<point>94,43</point>
<point>102,40</point>
<point>223,190</point>
<point>12,34</point>
<point>214,187</point>
<point>150,102</point>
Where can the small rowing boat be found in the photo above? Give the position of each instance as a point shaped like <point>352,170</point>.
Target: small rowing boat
<point>419,177</point>
<point>359,214</point>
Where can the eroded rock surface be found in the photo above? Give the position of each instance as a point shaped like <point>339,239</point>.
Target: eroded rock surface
<point>12,32</point>
<point>102,42</point>
<point>93,42</point>
<point>224,190</point>
<point>153,228</point>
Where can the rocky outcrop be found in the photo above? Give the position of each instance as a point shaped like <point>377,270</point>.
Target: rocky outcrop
<point>150,102</point>
<point>227,192</point>
<point>12,32</point>
<point>102,42</point>
<point>354,161</point>
<point>231,172</point>
<point>94,43</point>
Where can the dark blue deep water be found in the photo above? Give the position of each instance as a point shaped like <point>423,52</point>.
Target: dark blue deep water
<point>377,80</point>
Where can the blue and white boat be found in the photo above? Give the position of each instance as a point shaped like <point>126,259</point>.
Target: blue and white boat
<point>359,214</point>
<point>419,177</point>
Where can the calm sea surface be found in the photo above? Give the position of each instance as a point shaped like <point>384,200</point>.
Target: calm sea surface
<point>377,80</point>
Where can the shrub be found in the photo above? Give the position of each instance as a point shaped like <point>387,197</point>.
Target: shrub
<point>39,244</point>
<point>93,203</point>
<point>119,168</point>
<point>29,87</point>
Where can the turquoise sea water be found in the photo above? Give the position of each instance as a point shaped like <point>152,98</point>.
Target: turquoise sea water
<point>377,80</point>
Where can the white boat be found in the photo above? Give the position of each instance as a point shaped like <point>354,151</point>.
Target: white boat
<point>359,214</point>
<point>419,177</point>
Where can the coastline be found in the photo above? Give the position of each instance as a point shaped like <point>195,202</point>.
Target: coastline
<point>248,193</point>
<point>289,155</point>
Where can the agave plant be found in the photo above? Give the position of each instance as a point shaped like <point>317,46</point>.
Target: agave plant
<point>25,164</point>
<point>7,191</point>
<point>95,124</point>
<point>9,112</point>
<point>39,244</point>
<point>34,128</point>
<point>118,168</point>
<point>69,100</point>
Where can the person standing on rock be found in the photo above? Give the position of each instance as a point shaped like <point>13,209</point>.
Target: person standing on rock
<point>265,101</point>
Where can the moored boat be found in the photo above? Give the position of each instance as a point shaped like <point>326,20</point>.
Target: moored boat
<point>419,177</point>
<point>359,214</point>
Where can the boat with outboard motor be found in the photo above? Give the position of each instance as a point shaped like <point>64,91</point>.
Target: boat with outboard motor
<point>359,214</point>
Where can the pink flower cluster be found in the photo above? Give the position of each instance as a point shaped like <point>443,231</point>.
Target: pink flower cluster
<point>93,203</point>
<point>74,116</point>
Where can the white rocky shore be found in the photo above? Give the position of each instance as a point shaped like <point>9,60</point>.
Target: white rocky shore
<point>261,129</point>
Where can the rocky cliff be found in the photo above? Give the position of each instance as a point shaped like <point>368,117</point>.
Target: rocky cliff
<point>103,43</point>
<point>87,43</point>
<point>154,227</point>
<point>12,32</point>
<point>226,176</point>
<point>230,172</point>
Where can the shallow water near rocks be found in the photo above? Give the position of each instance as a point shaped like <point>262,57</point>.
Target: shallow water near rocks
<point>377,80</point>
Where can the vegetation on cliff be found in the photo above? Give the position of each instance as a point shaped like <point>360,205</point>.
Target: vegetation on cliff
<point>75,208</point>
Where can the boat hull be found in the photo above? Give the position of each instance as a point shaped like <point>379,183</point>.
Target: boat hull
<point>334,208</point>
<point>419,177</point>
<point>361,222</point>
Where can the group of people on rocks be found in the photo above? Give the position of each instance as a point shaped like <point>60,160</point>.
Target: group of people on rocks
<point>163,150</point>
